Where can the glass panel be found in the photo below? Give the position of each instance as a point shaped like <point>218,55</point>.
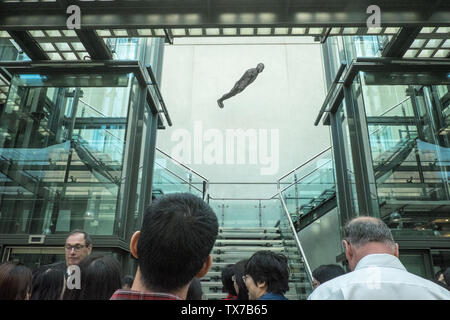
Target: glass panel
<point>124,48</point>
<point>170,176</point>
<point>236,213</point>
<point>310,186</point>
<point>61,153</point>
<point>414,263</point>
<point>441,261</point>
<point>409,148</point>
<point>348,159</point>
<point>33,258</point>
<point>293,254</point>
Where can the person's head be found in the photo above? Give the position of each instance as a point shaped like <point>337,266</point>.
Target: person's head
<point>265,272</point>
<point>446,274</point>
<point>195,291</point>
<point>260,67</point>
<point>127,282</point>
<point>78,246</point>
<point>15,281</point>
<point>326,272</point>
<point>100,278</point>
<point>439,276</point>
<point>367,235</point>
<point>174,244</point>
<point>238,281</point>
<point>48,283</point>
<point>227,281</point>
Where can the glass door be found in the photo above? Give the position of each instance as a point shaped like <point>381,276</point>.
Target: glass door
<point>34,257</point>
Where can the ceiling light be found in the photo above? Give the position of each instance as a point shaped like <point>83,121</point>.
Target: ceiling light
<point>229,31</point>
<point>144,32</point>
<point>281,31</point>
<point>195,32</point>
<point>212,31</point>
<point>264,31</point>
<point>246,31</point>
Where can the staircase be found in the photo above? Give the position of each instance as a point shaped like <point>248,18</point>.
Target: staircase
<point>235,244</point>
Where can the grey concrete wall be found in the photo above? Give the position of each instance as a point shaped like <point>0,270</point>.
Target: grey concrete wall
<point>275,114</point>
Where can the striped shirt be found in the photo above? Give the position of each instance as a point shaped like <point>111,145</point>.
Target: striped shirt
<point>137,295</point>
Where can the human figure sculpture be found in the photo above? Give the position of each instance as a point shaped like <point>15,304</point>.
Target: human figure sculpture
<point>248,77</point>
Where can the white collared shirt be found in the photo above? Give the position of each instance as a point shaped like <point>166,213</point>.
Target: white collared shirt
<point>379,277</point>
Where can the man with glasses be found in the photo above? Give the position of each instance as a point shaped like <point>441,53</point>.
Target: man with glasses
<point>78,245</point>
<point>266,276</point>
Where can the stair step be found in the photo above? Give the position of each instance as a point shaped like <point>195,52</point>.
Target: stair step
<point>249,229</point>
<point>235,244</point>
<point>253,242</point>
<point>248,235</point>
<point>247,249</point>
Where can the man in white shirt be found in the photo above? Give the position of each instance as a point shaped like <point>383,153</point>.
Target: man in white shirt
<point>377,273</point>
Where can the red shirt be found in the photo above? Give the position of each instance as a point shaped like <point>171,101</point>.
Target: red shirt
<point>137,295</point>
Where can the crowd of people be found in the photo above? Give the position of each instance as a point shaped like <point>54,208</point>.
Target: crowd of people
<point>173,252</point>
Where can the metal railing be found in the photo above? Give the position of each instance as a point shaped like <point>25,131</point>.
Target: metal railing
<point>294,231</point>
<point>190,171</point>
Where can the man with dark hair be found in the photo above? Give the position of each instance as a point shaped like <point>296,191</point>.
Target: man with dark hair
<point>377,273</point>
<point>267,276</point>
<point>78,246</point>
<point>172,247</point>
<point>325,273</point>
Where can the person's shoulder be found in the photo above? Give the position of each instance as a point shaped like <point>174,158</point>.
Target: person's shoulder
<point>331,289</point>
<point>419,281</point>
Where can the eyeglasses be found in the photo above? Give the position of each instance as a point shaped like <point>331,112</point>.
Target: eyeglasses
<point>76,247</point>
<point>233,278</point>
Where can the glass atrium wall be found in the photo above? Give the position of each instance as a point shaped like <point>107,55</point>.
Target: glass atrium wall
<point>405,116</point>
<point>62,146</point>
<point>68,143</point>
<point>339,49</point>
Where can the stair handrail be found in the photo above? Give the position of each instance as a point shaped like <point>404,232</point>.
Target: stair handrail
<point>205,190</point>
<point>296,239</point>
<point>181,164</point>
<point>303,164</point>
<point>306,175</point>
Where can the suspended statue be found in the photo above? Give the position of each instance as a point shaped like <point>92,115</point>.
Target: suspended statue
<point>248,77</point>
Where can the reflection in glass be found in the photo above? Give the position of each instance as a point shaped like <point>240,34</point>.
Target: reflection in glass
<point>410,148</point>
<point>61,153</point>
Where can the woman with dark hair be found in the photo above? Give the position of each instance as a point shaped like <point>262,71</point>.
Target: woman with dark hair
<point>325,273</point>
<point>15,281</point>
<point>227,282</point>
<point>239,284</point>
<point>48,284</point>
<point>100,278</point>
